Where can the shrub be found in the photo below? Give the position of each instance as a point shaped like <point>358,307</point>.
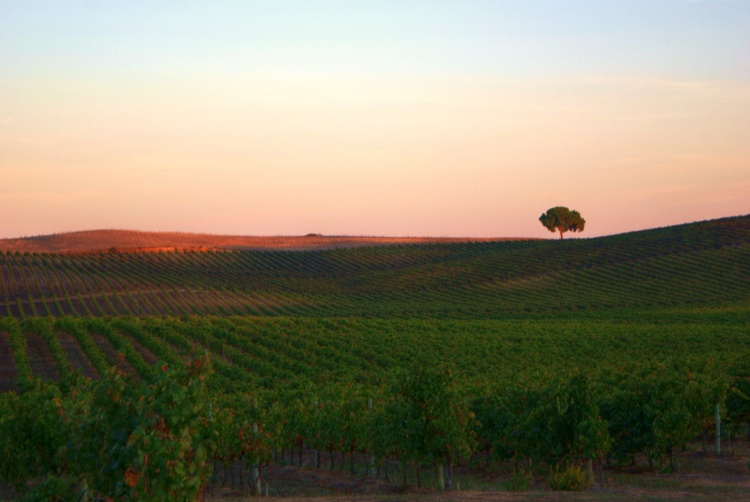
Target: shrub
<point>519,482</point>
<point>570,479</point>
<point>52,488</point>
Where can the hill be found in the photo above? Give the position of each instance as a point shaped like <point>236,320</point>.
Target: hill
<point>646,331</point>
<point>700,265</point>
<point>92,241</point>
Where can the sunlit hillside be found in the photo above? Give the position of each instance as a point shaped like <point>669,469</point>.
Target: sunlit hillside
<point>698,265</point>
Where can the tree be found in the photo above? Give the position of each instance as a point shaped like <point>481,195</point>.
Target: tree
<point>563,220</point>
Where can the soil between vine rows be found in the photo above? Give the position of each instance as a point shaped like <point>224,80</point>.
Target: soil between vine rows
<point>701,476</point>
<point>8,372</point>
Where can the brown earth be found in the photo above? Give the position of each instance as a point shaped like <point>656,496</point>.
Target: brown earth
<point>127,241</point>
<point>8,372</point>
<point>40,358</point>
<point>114,357</point>
<point>701,476</point>
<point>76,356</point>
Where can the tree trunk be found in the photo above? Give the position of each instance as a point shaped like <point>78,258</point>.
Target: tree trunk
<point>561,232</point>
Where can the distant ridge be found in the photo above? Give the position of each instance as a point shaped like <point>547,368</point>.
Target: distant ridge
<point>129,241</point>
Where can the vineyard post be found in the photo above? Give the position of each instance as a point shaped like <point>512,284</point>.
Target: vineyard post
<point>718,429</point>
<point>440,476</point>
<point>83,491</point>
<point>255,472</point>
<point>254,469</point>
<point>371,459</point>
<point>317,452</point>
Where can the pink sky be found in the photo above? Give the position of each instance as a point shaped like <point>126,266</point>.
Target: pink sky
<point>218,142</point>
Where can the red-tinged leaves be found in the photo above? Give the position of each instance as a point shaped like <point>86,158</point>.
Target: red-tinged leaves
<point>132,477</point>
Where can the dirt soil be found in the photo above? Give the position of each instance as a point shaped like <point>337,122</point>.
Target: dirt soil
<point>701,476</point>
<point>8,372</point>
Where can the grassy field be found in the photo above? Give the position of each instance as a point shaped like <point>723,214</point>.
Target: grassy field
<point>515,319</point>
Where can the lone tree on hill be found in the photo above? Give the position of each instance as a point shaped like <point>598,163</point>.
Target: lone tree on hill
<point>562,219</point>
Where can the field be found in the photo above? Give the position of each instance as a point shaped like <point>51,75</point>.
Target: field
<point>336,368</point>
<point>703,266</point>
<point>131,241</point>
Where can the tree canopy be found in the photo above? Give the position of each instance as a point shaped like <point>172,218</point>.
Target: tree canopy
<point>563,220</point>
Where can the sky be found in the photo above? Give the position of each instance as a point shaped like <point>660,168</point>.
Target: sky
<point>383,118</point>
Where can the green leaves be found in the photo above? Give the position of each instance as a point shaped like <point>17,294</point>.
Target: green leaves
<point>30,434</point>
<point>563,220</point>
<point>553,421</point>
<point>430,416</point>
<point>658,407</point>
<point>145,441</point>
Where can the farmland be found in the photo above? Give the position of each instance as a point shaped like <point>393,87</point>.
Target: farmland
<point>703,265</point>
<point>604,351</point>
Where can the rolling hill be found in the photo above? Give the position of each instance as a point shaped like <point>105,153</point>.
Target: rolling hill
<point>698,265</point>
<point>132,241</point>
<point>653,320</point>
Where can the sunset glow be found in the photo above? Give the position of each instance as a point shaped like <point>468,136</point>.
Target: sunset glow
<point>371,118</point>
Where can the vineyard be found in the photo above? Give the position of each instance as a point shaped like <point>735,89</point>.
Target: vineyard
<point>153,375</point>
<point>698,265</point>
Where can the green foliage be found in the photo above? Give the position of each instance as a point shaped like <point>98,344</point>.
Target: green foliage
<point>125,439</point>
<point>30,434</point>
<point>433,419</point>
<point>53,488</point>
<point>519,482</point>
<point>738,395</point>
<point>239,425</point>
<point>701,265</point>
<point>563,220</point>
<point>44,327</point>
<point>554,392</point>
<point>77,329</point>
<point>18,346</point>
<point>656,408</point>
<point>555,421</point>
<point>143,441</point>
<point>571,478</point>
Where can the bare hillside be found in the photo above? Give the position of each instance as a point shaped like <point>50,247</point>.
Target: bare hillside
<point>135,241</point>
